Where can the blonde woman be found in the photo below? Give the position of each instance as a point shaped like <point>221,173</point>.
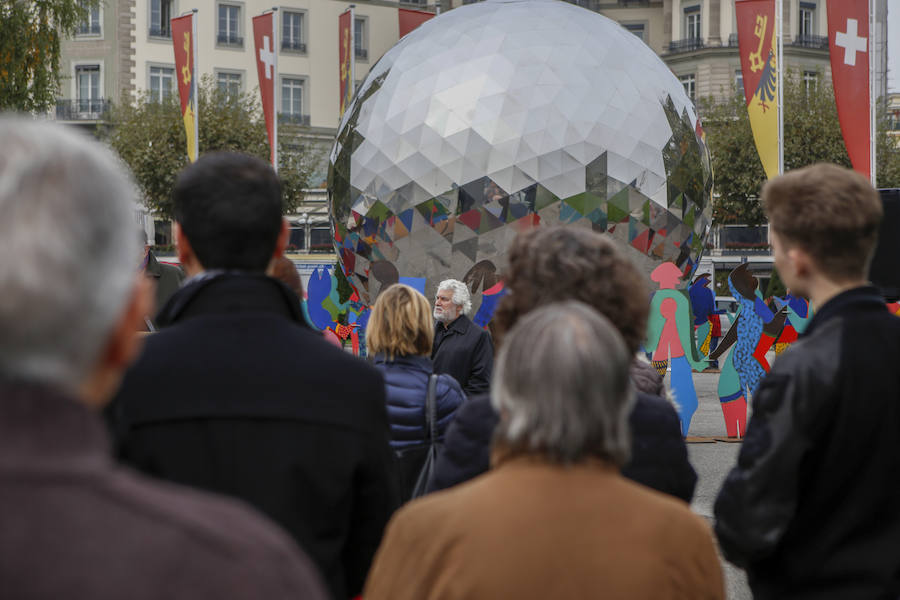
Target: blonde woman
<point>399,335</point>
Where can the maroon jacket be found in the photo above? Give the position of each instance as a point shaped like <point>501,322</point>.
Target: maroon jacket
<point>74,525</point>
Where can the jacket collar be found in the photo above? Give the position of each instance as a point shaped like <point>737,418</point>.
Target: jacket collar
<point>43,427</point>
<point>459,325</point>
<point>419,363</point>
<point>860,299</point>
<point>231,292</point>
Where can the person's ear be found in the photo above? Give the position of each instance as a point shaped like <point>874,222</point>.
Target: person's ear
<point>189,262</point>
<point>801,262</point>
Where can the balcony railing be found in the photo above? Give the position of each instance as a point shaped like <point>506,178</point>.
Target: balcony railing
<point>81,110</point>
<point>733,40</point>
<point>230,39</point>
<point>686,45</point>
<point>162,32</point>
<point>362,53</point>
<point>293,119</point>
<point>811,41</point>
<point>293,45</point>
<point>92,29</point>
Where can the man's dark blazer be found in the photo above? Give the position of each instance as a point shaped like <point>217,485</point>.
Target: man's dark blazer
<point>465,352</point>
<point>236,395</point>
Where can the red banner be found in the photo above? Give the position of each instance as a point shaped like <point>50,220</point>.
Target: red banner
<point>345,56</point>
<point>410,19</point>
<point>757,45</point>
<point>849,43</point>
<point>266,68</point>
<point>183,39</point>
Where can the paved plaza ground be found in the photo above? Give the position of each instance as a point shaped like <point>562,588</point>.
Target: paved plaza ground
<point>712,461</point>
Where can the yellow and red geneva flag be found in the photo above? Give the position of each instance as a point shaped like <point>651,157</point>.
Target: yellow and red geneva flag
<point>183,39</point>
<point>345,41</point>
<point>756,40</point>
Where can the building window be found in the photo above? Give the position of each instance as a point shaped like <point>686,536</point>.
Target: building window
<point>361,39</point>
<point>292,101</point>
<point>689,83</point>
<point>807,19</point>
<point>162,81</point>
<point>636,28</point>
<point>160,17</point>
<point>297,240</point>
<point>229,32</point>
<point>91,24</point>
<point>692,22</point>
<point>87,82</point>
<point>292,37</point>
<point>810,81</point>
<point>320,239</point>
<point>739,83</point>
<point>229,84</point>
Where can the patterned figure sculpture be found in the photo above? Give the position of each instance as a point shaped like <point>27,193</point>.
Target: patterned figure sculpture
<point>670,339</point>
<point>752,334</point>
<point>799,315</point>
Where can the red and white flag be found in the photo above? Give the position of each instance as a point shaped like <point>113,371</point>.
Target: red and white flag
<point>267,67</point>
<point>850,44</point>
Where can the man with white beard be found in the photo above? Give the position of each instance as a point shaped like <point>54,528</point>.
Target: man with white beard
<point>461,348</point>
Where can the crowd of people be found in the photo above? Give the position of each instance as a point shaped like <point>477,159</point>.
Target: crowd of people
<point>233,452</point>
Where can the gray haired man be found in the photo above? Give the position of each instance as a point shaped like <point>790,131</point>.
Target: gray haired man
<point>76,525</point>
<point>461,349</point>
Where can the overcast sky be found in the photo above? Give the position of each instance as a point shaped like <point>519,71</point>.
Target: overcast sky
<point>894,46</point>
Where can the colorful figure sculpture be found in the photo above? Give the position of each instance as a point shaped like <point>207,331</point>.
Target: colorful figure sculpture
<point>707,327</point>
<point>798,317</point>
<point>752,334</point>
<point>670,339</point>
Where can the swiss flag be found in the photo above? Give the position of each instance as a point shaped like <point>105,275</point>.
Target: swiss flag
<point>265,52</point>
<point>850,43</point>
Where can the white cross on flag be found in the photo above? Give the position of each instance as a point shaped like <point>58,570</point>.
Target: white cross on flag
<point>266,68</point>
<point>848,38</point>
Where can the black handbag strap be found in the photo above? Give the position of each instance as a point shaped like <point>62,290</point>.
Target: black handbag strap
<point>431,409</point>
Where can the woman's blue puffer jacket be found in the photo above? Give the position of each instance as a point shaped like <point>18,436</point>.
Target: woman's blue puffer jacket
<point>406,380</point>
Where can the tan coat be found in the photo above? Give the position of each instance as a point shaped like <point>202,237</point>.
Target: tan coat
<point>528,529</point>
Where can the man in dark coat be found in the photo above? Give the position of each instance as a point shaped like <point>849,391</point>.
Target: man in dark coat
<point>461,349</point>
<point>811,508</point>
<point>236,394</point>
<point>75,525</point>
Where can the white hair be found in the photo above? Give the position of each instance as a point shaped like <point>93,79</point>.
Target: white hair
<point>562,386</point>
<point>461,296</point>
<point>70,248</point>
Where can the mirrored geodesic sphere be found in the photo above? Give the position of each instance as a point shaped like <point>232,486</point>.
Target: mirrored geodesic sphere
<point>504,115</point>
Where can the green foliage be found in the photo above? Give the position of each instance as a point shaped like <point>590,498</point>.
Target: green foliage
<point>812,134</point>
<point>29,50</point>
<point>776,287</point>
<point>150,138</point>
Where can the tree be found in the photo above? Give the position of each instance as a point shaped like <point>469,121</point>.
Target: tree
<point>29,50</point>
<point>812,134</point>
<point>150,138</point>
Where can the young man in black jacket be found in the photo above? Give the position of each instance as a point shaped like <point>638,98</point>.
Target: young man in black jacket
<point>812,509</point>
<point>236,394</point>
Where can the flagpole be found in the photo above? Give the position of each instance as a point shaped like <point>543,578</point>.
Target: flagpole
<point>779,75</point>
<point>872,123</point>
<point>275,89</point>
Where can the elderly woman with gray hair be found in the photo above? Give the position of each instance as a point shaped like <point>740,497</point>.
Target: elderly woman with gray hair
<point>553,518</point>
